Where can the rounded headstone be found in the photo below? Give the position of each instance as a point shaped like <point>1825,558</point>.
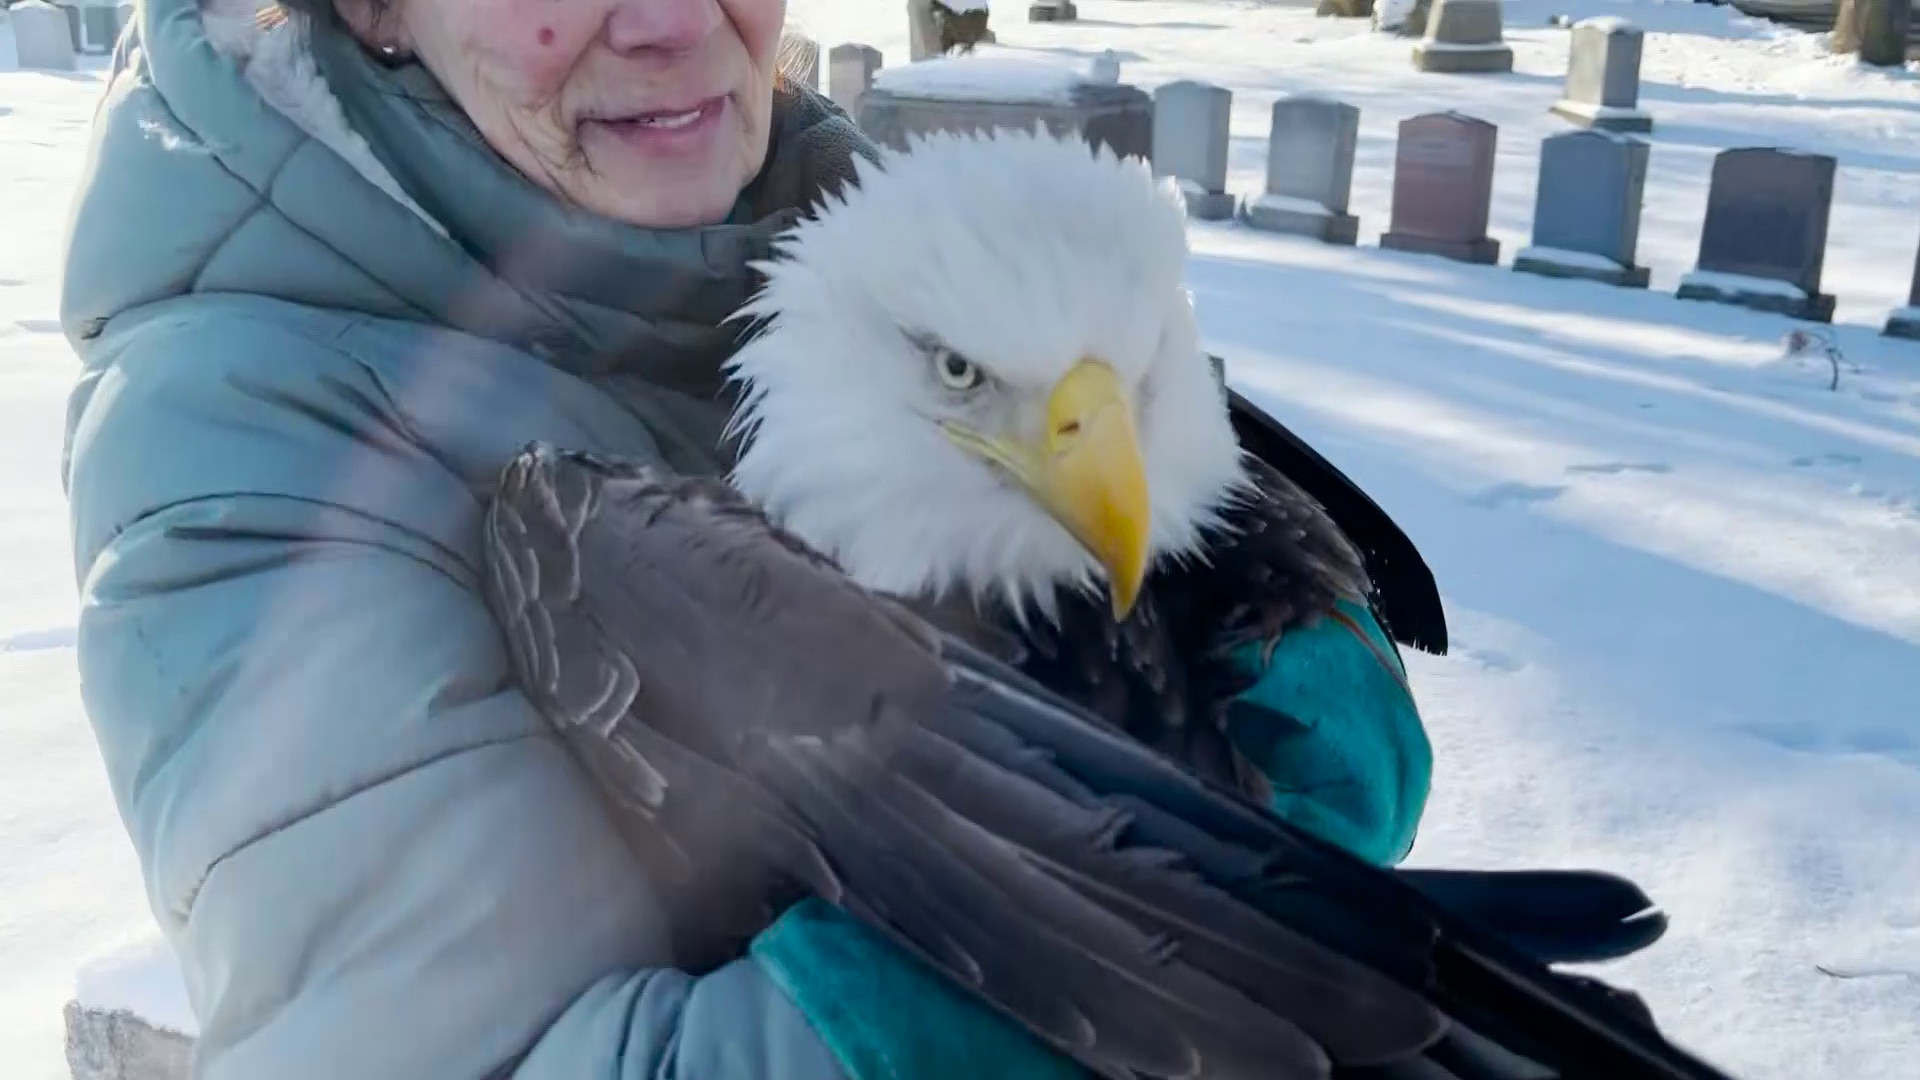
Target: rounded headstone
<point>43,36</point>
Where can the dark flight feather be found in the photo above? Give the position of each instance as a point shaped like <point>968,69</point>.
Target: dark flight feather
<point>766,729</point>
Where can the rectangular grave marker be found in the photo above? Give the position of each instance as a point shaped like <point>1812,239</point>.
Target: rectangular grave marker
<point>1052,11</point>
<point>1764,242</point>
<point>1905,322</point>
<point>973,93</point>
<point>1442,188</point>
<point>850,71</point>
<point>1464,36</point>
<point>1310,146</point>
<point>1190,133</point>
<point>1603,76</point>
<point>1586,211</point>
<point>42,37</point>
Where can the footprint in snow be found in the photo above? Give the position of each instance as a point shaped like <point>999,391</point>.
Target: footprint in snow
<point>1615,468</point>
<point>58,637</point>
<point>1808,461</point>
<point>1516,492</point>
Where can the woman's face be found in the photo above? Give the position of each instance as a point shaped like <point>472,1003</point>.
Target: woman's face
<point>651,112</point>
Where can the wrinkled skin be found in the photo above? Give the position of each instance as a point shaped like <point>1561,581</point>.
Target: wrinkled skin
<point>562,89</point>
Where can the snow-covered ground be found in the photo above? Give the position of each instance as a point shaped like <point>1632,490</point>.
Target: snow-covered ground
<point>1683,575</point>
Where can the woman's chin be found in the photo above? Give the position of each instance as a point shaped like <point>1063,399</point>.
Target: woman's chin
<point>666,176</point>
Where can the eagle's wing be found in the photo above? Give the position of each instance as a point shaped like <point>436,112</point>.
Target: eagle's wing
<point>751,708</point>
<point>1405,596</point>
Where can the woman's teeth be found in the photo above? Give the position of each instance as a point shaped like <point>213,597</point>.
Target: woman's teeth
<point>675,120</point>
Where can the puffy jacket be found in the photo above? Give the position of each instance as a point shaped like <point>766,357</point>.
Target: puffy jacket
<point>315,317</point>
<point>300,377</point>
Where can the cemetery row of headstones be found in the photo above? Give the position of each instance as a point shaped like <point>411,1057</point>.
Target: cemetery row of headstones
<point>1762,245</point>
<point>52,37</point>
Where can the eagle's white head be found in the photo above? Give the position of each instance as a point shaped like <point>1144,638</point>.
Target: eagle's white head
<point>979,371</point>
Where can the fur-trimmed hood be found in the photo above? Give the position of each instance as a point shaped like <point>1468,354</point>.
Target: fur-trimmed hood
<point>268,155</point>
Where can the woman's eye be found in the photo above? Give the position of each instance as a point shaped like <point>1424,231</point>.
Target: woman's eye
<point>956,371</point>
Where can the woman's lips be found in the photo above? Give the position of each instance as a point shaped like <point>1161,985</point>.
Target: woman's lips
<point>664,130</point>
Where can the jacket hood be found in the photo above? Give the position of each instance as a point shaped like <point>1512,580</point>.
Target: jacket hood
<point>273,155</point>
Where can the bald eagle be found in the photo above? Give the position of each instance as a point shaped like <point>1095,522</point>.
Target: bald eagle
<point>978,385</point>
<point>768,734</point>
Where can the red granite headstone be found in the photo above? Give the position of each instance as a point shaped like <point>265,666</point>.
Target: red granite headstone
<point>1442,187</point>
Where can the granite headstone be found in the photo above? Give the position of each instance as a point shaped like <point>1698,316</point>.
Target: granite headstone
<point>1764,242</point>
<point>1603,76</point>
<point>850,71</point>
<point>42,36</point>
<point>1310,147</point>
<point>958,93</point>
<point>1190,134</point>
<point>1464,36</point>
<point>1586,211</point>
<point>1443,187</point>
<point>1905,322</point>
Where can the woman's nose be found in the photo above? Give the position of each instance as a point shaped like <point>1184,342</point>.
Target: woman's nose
<point>664,25</point>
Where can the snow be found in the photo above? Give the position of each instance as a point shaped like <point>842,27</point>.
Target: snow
<point>1585,260</point>
<point>1595,111</point>
<point>1431,45</point>
<point>987,74</point>
<point>1610,24</point>
<point>1679,570</point>
<point>1743,283</point>
<point>143,979</point>
<point>1291,203</point>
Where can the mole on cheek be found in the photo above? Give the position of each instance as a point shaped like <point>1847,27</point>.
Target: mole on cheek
<point>545,35</point>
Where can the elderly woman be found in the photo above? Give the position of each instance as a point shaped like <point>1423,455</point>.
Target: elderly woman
<point>329,269</point>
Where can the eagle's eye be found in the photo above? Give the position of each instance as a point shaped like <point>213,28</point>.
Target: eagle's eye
<point>956,371</point>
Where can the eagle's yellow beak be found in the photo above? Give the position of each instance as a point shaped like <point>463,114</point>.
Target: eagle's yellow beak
<point>1091,478</point>
<point>1084,468</point>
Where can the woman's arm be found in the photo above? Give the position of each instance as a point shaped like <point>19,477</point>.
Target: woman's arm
<point>370,855</point>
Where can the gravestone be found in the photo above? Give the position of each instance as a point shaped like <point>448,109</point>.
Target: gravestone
<point>1765,238</point>
<point>1877,30</point>
<point>1905,322</point>
<point>850,71</point>
<point>1442,188</point>
<point>1586,212</point>
<point>800,60</point>
<point>1190,122</point>
<point>9,55</point>
<point>1310,148</point>
<point>1052,11</point>
<point>1603,76</point>
<point>1463,36</point>
<point>99,27</point>
<point>974,93</point>
<point>42,36</point>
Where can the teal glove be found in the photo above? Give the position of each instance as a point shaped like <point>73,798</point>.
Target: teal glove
<point>885,1015</point>
<point>1332,723</point>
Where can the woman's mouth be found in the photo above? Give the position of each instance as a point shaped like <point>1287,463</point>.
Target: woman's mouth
<point>663,130</point>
